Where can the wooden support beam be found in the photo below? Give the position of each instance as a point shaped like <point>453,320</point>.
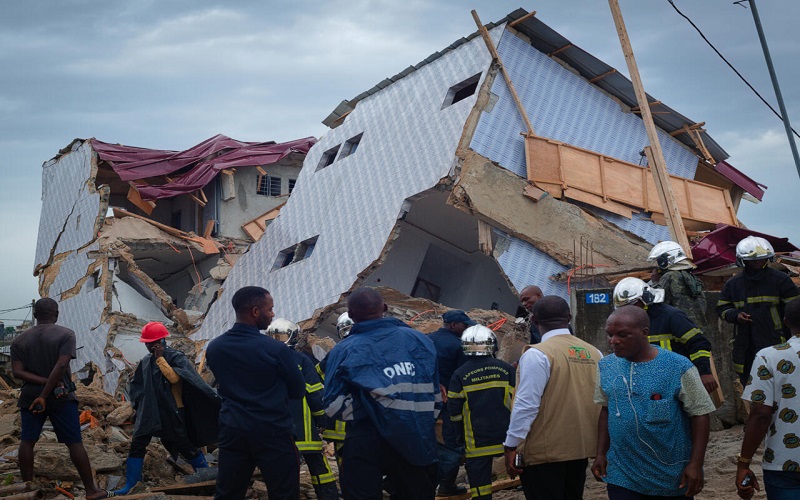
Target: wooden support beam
<point>196,199</point>
<point>651,104</point>
<point>522,19</point>
<point>205,486</point>
<point>202,195</point>
<point>655,155</point>
<point>485,237</point>
<point>209,228</point>
<point>600,77</point>
<point>261,170</point>
<point>559,50</point>
<point>496,57</point>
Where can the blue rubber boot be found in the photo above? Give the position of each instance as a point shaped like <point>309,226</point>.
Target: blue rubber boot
<point>133,474</point>
<point>199,462</point>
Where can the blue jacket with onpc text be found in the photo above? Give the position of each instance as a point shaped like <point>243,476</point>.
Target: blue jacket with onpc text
<point>387,372</point>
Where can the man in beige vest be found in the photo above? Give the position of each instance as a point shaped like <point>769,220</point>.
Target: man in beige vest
<point>554,420</point>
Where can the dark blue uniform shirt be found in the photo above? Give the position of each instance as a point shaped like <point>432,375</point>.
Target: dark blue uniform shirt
<point>449,353</point>
<point>256,377</point>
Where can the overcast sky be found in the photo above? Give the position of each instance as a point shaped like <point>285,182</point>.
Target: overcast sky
<point>170,74</point>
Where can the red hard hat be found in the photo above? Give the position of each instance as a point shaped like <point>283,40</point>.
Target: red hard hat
<point>153,331</point>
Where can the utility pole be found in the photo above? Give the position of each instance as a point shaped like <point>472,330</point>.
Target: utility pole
<point>775,85</point>
<point>655,156</point>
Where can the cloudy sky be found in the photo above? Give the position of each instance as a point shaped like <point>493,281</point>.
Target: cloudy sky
<point>170,74</point>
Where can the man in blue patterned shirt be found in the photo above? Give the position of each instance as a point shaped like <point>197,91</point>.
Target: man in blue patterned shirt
<point>654,425</point>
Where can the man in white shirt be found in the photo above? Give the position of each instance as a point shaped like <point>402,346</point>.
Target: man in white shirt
<point>554,420</point>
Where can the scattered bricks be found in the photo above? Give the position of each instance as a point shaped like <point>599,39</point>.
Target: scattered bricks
<point>120,415</point>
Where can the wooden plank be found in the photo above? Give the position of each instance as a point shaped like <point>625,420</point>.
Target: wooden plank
<point>485,237</point>
<point>717,397</point>
<point>601,76</point>
<point>135,197</point>
<point>522,19</point>
<point>597,201</point>
<point>503,484</point>
<point>202,195</point>
<point>496,57</point>
<point>654,153</point>
<point>559,50</point>
<point>196,199</point>
<point>533,192</point>
<point>205,486</point>
<point>261,170</point>
<point>542,160</point>
<point>5,385</point>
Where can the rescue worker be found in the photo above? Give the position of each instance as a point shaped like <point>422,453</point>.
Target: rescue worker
<point>449,356</point>
<point>306,412</point>
<point>479,401</point>
<point>670,328</point>
<point>754,301</point>
<point>681,288</point>
<point>383,381</point>
<point>172,402</point>
<point>334,430</point>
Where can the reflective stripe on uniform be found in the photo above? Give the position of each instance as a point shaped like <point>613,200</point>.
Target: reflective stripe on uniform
<point>404,404</point>
<point>308,445</point>
<point>337,433</point>
<point>325,478</point>
<point>484,451</point>
<point>456,418</point>
<point>700,354</point>
<point>481,491</point>
<point>738,368</point>
<point>485,385</point>
<point>314,387</point>
<point>689,335</point>
<point>664,340</point>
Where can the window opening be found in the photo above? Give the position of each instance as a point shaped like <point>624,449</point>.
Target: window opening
<point>328,157</point>
<point>269,185</point>
<point>426,290</point>
<point>461,91</point>
<point>351,146</point>
<point>292,183</point>
<point>295,253</point>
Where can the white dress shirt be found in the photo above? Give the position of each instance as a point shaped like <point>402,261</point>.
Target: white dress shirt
<point>534,373</point>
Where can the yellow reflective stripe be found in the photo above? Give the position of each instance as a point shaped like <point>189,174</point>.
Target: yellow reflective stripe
<point>469,437</point>
<point>772,299</point>
<point>455,395</point>
<point>308,445</point>
<point>318,413</point>
<point>738,304</point>
<point>326,477</point>
<point>723,302</point>
<point>738,368</point>
<point>333,435</point>
<point>776,318</point>
<point>689,335</point>
<point>480,491</point>
<point>456,418</point>
<point>786,301</point>
<point>314,387</point>
<point>657,338</point>
<point>508,398</point>
<point>486,385</point>
<point>320,372</point>
<point>484,451</point>
<point>306,420</point>
<point>700,354</point>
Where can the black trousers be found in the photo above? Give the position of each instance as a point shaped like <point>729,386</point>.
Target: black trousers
<point>181,445</point>
<point>367,457</point>
<point>479,472</point>
<point>619,493</point>
<point>318,468</point>
<point>276,457</point>
<point>555,480</point>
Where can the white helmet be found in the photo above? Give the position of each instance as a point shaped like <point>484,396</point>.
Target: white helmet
<point>280,326</point>
<point>478,340</point>
<point>753,248</point>
<point>630,290</point>
<point>343,325</point>
<point>667,253</point>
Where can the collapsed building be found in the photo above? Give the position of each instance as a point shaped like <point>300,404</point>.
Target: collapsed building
<point>430,184</point>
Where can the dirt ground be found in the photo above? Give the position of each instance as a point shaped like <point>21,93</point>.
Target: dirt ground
<point>720,468</point>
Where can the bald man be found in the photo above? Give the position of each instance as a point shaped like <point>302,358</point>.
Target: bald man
<point>527,298</point>
<point>382,379</point>
<point>654,424</point>
<point>553,419</point>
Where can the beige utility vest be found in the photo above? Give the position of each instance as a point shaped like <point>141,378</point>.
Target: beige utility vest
<point>566,425</point>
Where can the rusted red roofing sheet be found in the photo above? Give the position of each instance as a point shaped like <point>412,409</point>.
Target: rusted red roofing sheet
<point>740,179</point>
<point>717,249</point>
<point>197,166</point>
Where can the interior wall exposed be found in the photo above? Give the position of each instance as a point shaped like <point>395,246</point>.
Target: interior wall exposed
<point>439,244</point>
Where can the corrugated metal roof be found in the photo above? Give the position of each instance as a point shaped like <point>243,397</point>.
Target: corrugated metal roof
<point>547,40</point>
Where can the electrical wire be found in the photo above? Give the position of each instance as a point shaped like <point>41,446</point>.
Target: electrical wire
<point>3,311</point>
<point>703,36</point>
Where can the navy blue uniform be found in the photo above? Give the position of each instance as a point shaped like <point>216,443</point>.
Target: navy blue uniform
<point>383,381</point>
<point>256,377</point>
<point>671,329</point>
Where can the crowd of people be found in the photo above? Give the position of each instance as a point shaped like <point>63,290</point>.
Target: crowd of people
<point>641,413</point>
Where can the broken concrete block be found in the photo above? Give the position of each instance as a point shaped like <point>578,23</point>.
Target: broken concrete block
<point>52,461</point>
<point>9,424</point>
<point>120,415</point>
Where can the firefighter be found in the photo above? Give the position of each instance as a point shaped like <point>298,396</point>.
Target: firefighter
<point>306,412</point>
<point>334,430</point>
<point>670,328</point>
<point>754,301</point>
<point>681,288</point>
<point>479,402</point>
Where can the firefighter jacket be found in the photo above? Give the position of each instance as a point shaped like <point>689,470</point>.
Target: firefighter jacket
<point>334,430</point>
<point>306,411</point>
<point>480,396</point>
<point>386,372</point>
<point>763,295</point>
<point>671,329</point>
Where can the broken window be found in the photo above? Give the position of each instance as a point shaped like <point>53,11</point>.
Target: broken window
<point>461,91</point>
<point>269,185</point>
<point>328,157</point>
<point>426,290</point>
<point>295,253</point>
<point>350,146</point>
<point>292,183</point>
